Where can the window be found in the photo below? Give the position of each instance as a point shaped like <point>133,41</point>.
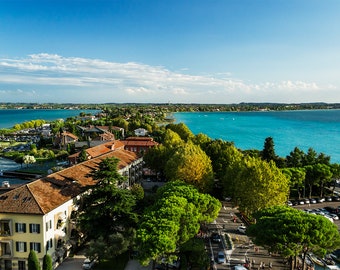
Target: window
<point>22,265</point>
<point>35,246</point>
<point>5,227</point>
<point>49,244</point>
<point>34,228</point>
<point>20,227</point>
<point>21,246</point>
<point>48,225</point>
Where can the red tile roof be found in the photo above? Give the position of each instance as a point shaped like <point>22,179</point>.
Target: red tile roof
<point>45,194</point>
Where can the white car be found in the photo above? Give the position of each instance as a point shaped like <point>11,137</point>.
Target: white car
<point>242,229</point>
<point>88,264</point>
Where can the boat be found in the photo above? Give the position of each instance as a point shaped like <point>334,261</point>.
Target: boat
<point>335,255</point>
<point>316,260</point>
<point>328,260</point>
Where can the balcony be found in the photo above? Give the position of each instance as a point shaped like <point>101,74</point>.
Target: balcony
<point>5,227</point>
<point>5,249</point>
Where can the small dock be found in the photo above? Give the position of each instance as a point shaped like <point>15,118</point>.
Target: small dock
<point>20,175</point>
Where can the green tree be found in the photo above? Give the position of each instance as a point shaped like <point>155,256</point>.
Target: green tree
<point>310,157</point>
<point>172,139</point>
<point>195,253</point>
<point>268,152</point>
<point>47,262</point>
<point>291,232</point>
<point>297,178</point>
<point>321,174</point>
<point>257,184</point>
<point>33,261</point>
<point>222,154</point>
<point>182,130</point>
<point>108,214</point>
<point>138,191</point>
<point>173,219</point>
<point>190,164</point>
<point>202,140</point>
<point>295,158</point>
<point>82,155</point>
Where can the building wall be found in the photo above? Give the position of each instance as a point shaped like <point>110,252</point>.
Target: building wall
<point>54,228</point>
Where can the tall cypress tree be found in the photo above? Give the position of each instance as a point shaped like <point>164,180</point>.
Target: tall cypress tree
<point>33,261</point>
<point>268,152</point>
<point>47,262</point>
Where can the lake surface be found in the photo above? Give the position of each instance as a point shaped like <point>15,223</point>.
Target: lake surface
<point>8,165</point>
<point>319,129</point>
<point>9,118</point>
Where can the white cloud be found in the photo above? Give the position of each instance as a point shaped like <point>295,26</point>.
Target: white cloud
<point>132,82</point>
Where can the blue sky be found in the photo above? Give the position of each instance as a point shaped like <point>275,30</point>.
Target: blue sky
<point>179,51</point>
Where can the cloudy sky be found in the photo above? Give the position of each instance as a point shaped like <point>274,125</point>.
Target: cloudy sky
<point>179,51</point>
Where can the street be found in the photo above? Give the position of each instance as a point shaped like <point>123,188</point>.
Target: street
<point>243,250</point>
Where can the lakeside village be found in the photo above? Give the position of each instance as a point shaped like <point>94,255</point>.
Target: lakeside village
<point>41,202</point>
<point>41,213</point>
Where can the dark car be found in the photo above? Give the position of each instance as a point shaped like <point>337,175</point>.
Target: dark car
<point>215,237</point>
<point>328,199</point>
<point>332,210</point>
<point>336,198</point>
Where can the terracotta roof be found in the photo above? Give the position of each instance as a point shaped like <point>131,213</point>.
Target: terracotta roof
<point>69,134</point>
<point>139,139</point>
<point>45,194</point>
<point>139,143</point>
<point>101,149</point>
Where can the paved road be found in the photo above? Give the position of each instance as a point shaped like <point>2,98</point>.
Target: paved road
<point>243,249</point>
<point>72,263</point>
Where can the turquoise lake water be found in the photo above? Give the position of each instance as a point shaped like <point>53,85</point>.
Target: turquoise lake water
<point>9,118</point>
<point>319,129</point>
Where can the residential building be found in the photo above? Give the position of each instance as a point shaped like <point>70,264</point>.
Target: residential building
<point>95,151</point>
<point>139,145</point>
<point>65,138</point>
<point>38,215</point>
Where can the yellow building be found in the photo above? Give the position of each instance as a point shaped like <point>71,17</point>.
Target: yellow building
<point>38,215</point>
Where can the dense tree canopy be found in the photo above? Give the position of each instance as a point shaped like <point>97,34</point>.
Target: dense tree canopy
<point>182,130</point>
<point>292,232</point>
<point>173,220</point>
<point>190,164</point>
<point>256,184</point>
<point>296,178</point>
<point>108,217</point>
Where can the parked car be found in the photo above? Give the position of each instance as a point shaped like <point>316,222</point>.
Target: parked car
<point>88,263</point>
<point>332,210</point>
<point>336,198</point>
<point>242,229</point>
<point>329,199</point>
<point>320,200</point>
<point>216,237</point>
<point>220,257</point>
<point>313,201</point>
